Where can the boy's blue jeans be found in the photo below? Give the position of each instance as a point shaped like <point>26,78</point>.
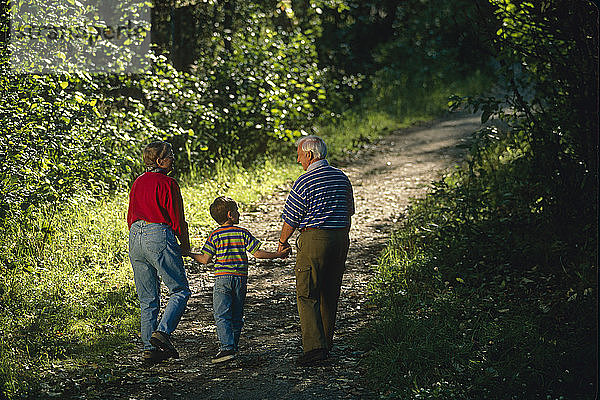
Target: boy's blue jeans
<point>155,254</point>
<point>229,295</point>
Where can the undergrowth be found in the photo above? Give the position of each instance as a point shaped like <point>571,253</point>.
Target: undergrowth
<point>67,298</point>
<point>489,288</point>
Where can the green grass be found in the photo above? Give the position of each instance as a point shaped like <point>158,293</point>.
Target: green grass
<point>66,290</point>
<point>482,294</point>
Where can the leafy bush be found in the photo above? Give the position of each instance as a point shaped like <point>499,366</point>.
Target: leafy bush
<point>42,168</point>
<point>266,89</point>
<point>64,134</point>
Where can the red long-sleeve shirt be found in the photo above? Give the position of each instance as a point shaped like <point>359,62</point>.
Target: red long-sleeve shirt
<point>156,198</point>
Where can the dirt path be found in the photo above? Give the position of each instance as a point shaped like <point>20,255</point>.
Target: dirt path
<point>384,175</point>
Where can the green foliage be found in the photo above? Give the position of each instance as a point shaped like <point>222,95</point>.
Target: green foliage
<point>61,135</point>
<point>549,68</point>
<point>50,37</point>
<point>266,89</point>
<point>493,276</point>
<point>382,43</point>
<point>432,38</point>
<point>252,87</point>
<point>481,296</point>
<point>551,149</point>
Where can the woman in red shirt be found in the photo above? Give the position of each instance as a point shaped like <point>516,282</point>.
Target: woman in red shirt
<point>155,218</point>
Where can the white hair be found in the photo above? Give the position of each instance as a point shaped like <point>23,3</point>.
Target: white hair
<point>314,144</point>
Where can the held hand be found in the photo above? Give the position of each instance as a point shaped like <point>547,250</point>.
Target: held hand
<point>285,249</point>
<point>201,257</point>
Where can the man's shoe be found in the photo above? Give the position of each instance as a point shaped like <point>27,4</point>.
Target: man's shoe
<point>161,340</point>
<point>222,356</point>
<point>311,357</point>
<point>151,357</point>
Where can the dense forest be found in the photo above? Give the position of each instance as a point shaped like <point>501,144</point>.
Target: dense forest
<point>236,83</point>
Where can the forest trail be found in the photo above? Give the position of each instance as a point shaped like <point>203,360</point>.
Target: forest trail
<point>385,175</point>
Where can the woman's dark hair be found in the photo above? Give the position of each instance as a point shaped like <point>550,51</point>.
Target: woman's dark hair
<point>154,151</point>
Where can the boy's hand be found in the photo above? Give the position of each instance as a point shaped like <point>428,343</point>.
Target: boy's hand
<point>200,257</point>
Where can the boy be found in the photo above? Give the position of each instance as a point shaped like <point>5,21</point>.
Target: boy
<point>228,244</point>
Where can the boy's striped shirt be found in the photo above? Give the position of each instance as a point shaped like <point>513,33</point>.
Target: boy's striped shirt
<point>228,246</point>
<point>320,198</point>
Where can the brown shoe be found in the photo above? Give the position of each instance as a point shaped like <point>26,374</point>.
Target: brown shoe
<point>162,341</point>
<point>311,357</point>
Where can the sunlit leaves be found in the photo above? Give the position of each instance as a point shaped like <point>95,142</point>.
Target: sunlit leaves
<point>264,87</point>
<point>55,144</point>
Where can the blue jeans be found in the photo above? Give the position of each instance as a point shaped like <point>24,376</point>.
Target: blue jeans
<point>229,295</point>
<point>154,255</point>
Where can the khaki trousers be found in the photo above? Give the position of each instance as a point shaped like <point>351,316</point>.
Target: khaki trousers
<point>320,265</point>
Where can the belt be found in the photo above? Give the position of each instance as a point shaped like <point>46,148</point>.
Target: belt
<point>146,222</point>
<point>323,229</point>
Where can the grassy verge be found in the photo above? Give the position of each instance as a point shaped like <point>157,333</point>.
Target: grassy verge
<point>67,298</point>
<point>483,294</point>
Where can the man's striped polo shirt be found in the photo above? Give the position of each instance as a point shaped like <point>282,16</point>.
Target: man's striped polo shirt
<point>320,198</point>
<point>228,246</point>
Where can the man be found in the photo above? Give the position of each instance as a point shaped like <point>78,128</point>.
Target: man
<point>320,206</point>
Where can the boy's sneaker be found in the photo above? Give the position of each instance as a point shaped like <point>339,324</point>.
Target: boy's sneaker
<point>222,356</point>
<point>151,357</point>
<point>161,340</point>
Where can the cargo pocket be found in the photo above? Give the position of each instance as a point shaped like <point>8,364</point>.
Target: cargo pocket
<point>303,281</point>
